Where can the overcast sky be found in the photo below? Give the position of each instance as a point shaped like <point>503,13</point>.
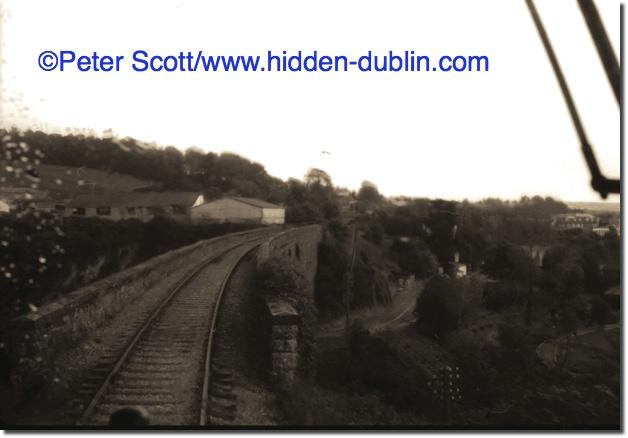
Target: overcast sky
<point>503,133</point>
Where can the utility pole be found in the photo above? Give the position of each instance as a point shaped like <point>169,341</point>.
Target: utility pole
<point>349,297</point>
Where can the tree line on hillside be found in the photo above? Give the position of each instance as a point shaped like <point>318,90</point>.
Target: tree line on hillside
<point>170,169</point>
<point>427,229</point>
<point>492,236</point>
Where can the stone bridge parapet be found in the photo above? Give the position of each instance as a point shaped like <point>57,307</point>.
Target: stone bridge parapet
<point>64,322</point>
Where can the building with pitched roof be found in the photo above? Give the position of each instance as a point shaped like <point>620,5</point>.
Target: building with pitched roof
<point>14,199</point>
<point>570,221</point>
<point>143,206</point>
<point>237,209</point>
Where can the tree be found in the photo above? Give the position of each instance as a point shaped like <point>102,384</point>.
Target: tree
<point>368,193</point>
<point>172,162</point>
<point>439,307</point>
<point>314,202</point>
<point>510,262</point>
<point>280,276</point>
<point>441,226</point>
<point>402,222</point>
<point>500,295</point>
<point>333,260</point>
<point>303,214</point>
<point>317,176</point>
<point>414,257</point>
<point>193,162</point>
<point>374,231</point>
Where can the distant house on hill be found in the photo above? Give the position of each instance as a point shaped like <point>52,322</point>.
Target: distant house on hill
<point>456,269</point>
<point>343,193</point>
<point>235,209</point>
<point>134,205</point>
<point>570,221</point>
<point>399,201</point>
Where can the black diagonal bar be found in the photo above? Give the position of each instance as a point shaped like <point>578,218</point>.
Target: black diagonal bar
<point>599,182</point>
<point>602,44</point>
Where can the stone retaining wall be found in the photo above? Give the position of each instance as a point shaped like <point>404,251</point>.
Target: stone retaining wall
<point>284,335</point>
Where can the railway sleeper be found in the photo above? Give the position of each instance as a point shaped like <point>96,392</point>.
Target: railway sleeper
<point>225,394</point>
<point>139,401</point>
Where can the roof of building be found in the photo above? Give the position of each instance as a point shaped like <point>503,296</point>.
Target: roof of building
<point>19,190</point>
<point>13,193</point>
<point>571,216</point>
<point>256,202</point>
<point>135,199</point>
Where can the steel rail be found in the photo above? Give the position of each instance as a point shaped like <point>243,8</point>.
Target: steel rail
<point>163,305</point>
<point>204,412</point>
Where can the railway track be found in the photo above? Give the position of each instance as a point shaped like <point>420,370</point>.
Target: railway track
<point>166,367</point>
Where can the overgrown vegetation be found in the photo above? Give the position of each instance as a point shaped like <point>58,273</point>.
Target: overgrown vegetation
<point>312,405</point>
<point>439,307</point>
<point>529,283</point>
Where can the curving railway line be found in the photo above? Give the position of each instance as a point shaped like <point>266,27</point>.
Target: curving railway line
<point>166,367</point>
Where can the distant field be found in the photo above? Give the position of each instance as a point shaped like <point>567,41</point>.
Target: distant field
<point>74,179</point>
<point>599,207</point>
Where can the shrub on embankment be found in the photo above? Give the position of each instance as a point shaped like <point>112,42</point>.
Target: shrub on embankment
<point>377,366</point>
<point>380,388</point>
<point>371,272</point>
<point>306,404</point>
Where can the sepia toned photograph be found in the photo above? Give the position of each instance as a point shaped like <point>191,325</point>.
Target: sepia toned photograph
<point>332,215</point>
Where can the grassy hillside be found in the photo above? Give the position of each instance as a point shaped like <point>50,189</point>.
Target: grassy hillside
<point>74,179</point>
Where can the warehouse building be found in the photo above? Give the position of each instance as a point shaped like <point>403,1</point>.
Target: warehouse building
<point>234,209</point>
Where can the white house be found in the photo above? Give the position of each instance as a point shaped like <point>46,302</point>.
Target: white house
<point>457,269</point>
<point>235,209</point>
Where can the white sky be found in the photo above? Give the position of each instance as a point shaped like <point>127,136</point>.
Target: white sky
<point>504,133</point>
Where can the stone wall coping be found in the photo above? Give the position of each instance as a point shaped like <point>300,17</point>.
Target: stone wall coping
<point>292,230</point>
<point>281,311</point>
